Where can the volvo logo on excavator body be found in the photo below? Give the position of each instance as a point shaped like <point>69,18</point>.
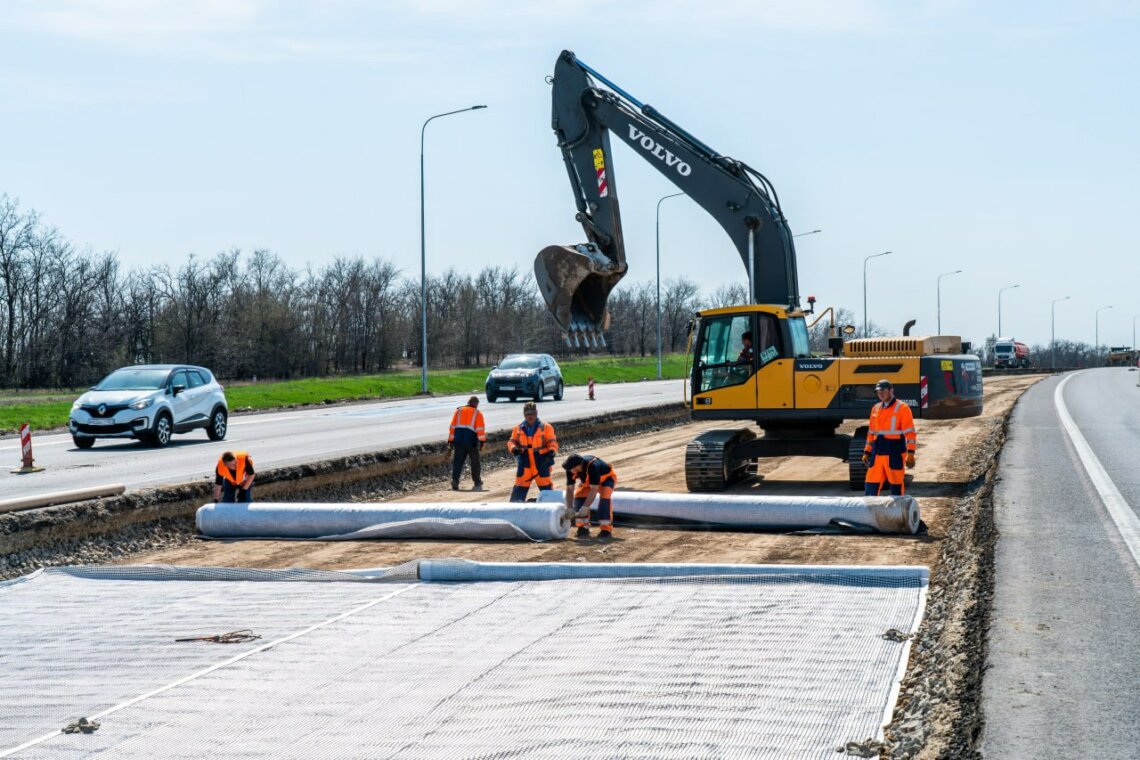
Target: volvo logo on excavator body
<point>658,151</point>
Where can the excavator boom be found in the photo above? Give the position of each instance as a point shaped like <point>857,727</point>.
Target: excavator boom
<point>576,280</point>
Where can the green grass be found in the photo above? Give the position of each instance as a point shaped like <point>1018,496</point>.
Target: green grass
<point>48,409</point>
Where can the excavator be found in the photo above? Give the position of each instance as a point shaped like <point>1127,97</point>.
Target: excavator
<point>797,399</point>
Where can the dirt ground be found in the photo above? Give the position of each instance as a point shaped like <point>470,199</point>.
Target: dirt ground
<point>945,466</point>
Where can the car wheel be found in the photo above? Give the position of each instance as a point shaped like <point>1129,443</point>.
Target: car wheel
<point>491,397</point>
<point>83,443</point>
<point>163,429</point>
<point>558,391</point>
<point>538,392</point>
<point>514,397</point>
<point>218,424</point>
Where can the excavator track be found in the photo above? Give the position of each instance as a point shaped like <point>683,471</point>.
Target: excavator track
<point>856,470</point>
<point>710,464</point>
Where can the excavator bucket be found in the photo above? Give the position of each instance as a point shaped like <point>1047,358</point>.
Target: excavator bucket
<point>575,282</point>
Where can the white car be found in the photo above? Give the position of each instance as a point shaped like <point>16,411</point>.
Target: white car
<point>150,402</point>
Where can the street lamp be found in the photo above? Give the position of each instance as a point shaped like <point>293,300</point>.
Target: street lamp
<point>672,195</point>
<point>423,253</point>
<point>944,274</point>
<point>811,232</point>
<point>1053,332</point>
<point>872,256</point>
<point>1007,287</point>
<point>1096,346</point>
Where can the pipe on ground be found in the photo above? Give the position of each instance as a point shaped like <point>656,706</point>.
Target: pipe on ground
<point>60,497</point>
<point>885,514</point>
<point>350,522</point>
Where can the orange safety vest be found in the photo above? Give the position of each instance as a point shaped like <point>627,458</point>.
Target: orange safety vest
<point>542,442</point>
<point>236,476</point>
<point>467,417</point>
<point>893,422</point>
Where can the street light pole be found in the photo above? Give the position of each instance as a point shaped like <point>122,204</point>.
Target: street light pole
<point>1007,287</point>
<point>1053,332</point>
<point>872,256</point>
<point>423,254</point>
<point>1096,347</point>
<point>944,274</point>
<point>672,195</point>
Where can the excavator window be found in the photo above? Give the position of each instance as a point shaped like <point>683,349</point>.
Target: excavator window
<point>724,356</point>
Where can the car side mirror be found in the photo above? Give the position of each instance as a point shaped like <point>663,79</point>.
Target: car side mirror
<point>178,389</point>
<point>494,366</point>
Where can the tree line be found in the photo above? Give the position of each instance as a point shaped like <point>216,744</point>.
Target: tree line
<point>70,316</point>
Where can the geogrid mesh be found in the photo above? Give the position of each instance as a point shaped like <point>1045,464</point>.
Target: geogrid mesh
<point>769,665</point>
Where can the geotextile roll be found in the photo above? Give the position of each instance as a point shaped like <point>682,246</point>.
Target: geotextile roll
<point>885,514</point>
<point>347,522</point>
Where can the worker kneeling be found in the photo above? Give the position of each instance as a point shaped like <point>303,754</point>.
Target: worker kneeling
<point>595,477</point>
<point>534,443</point>
<point>891,441</point>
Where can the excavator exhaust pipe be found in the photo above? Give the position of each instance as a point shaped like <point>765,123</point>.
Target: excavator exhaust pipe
<point>575,281</point>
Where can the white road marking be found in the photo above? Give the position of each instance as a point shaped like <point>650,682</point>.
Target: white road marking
<point>1118,509</point>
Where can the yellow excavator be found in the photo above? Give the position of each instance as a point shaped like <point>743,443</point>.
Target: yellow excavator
<point>798,400</point>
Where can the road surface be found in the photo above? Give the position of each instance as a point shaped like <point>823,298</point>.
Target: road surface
<point>288,438</point>
<point>1064,654</point>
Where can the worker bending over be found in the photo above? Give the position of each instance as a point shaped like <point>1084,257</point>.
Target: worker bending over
<point>466,437</point>
<point>595,477</point>
<point>534,444</point>
<point>891,440</point>
<point>233,479</point>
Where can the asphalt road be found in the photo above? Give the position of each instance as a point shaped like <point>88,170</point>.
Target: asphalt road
<point>289,438</point>
<point>1063,676</point>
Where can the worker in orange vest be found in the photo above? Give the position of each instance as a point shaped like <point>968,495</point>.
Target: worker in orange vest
<point>534,443</point>
<point>891,441</point>
<point>466,437</point>
<point>595,477</point>
<point>233,479</point>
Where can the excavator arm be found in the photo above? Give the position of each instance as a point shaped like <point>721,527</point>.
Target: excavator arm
<point>576,280</point>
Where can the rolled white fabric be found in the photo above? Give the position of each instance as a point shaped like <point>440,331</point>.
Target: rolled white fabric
<point>343,522</point>
<point>886,514</point>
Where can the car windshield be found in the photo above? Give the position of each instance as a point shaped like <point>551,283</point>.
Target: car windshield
<point>134,380</point>
<point>1006,347</point>
<point>519,362</point>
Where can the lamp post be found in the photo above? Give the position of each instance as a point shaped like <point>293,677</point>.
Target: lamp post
<point>944,274</point>
<point>1053,332</point>
<point>423,253</point>
<point>1007,287</point>
<point>671,195</point>
<point>1096,346</point>
<point>872,256</point>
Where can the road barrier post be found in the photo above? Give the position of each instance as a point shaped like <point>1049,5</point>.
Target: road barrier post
<point>590,386</point>
<point>27,463</point>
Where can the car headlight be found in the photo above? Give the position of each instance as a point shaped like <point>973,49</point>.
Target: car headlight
<point>142,404</point>
<point>78,403</point>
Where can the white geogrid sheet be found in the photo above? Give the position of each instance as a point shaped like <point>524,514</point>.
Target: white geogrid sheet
<point>781,665</point>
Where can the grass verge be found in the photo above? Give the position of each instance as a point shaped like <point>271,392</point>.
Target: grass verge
<point>48,409</point>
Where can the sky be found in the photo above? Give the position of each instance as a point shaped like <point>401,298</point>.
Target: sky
<point>999,139</point>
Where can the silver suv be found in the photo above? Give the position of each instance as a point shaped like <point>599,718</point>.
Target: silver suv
<point>150,402</point>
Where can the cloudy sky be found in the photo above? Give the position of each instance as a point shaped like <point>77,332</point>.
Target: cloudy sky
<point>1001,139</point>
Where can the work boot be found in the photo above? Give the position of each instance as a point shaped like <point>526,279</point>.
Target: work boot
<point>583,532</point>
<point>478,487</point>
<point>605,534</point>
<point>455,485</point>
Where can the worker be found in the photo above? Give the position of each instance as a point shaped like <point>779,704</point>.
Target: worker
<point>891,441</point>
<point>534,443</point>
<point>596,478</point>
<point>465,438</point>
<point>746,351</point>
<point>233,479</point>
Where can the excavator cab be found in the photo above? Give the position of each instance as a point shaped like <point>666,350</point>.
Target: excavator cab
<point>575,282</point>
